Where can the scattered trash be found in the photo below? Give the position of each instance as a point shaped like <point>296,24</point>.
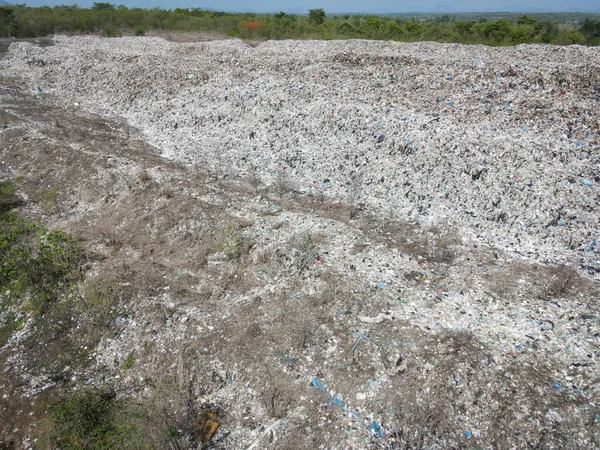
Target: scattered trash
<point>377,319</point>
<point>428,189</point>
<point>287,359</point>
<point>376,430</point>
<point>205,426</point>
<point>334,401</point>
<point>264,433</point>
<point>360,338</point>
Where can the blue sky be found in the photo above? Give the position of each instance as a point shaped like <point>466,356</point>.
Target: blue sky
<point>336,6</point>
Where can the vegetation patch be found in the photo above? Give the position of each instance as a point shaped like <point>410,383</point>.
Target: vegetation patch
<point>469,28</point>
<point>92,419</point>
<point>42,280</point>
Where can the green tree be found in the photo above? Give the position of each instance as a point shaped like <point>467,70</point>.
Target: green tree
<point>574,37</point>
<point>464,28</point>
<point>103,6</point>
<point>497,30</point>
<point>413,27</point>
<point>394,30</point>
<point>372,26</point>
<point>345,29</point>
<point>547,31</point>
<point>316,16</point>
<point>526,20</point>
<point>591,28</point>
<point>519,35</point>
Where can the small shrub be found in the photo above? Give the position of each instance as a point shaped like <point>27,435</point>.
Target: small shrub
<point>8,199</point>
<point>91,419</point>
<point>36,263</point>
<point>50,200</point>
<point>139,31</point>
<point>144,176</point>
<point>306,251</point>
<point>12,323</point>
<point>231,242</point>
<point>128,362</point>
<point>111,32</point>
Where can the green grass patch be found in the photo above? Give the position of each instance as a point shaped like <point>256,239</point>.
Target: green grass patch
<point>10,324</point>
<point>42,273</point>
<point>36,264</point>
<point>93,419</point>
<point>128,361</point>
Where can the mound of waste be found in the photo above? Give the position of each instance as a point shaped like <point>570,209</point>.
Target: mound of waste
<point>499,142</point>
<point>398,250</point>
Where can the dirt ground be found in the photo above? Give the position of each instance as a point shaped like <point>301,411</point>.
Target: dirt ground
<point>303,324</point>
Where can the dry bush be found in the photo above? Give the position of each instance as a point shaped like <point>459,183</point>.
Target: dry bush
<point>254,179</point>
<point>545,283</point>
<point>296,435</point>
<point>243,338</point>
<point>335,291</point>
<point>559,282</point>
<point>449,379</point>
<point>169,414</point>
<point>276,395</point>
<point>166,192</point>
<point>108,234</point>
<point>183,286</point>
<point>354,193</point>
<point>422,419</point>
<point>297,326</point>
<point>433,245</point>
<point>282,184</point>
<point>237,278</point>
<point>144,176</point>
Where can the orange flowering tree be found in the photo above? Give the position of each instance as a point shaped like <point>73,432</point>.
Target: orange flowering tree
<point>251,26</point>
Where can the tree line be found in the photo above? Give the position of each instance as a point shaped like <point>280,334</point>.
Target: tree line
<point>21,21</point>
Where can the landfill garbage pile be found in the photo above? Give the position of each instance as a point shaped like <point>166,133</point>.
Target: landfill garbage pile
<point>500,142</point>
<point>414,266</point>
